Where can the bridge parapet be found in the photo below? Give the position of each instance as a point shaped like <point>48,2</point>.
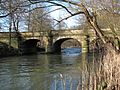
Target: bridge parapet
<point>91,32</point>
<point>34,34</point>
<point>7,34</point>
<point>66,32</point>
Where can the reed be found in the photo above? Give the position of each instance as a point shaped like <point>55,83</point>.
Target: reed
<point>111,69</point>
<point>102,75</point>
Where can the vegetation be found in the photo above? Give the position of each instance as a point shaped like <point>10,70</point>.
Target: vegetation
<point>97,13</point>
<point>6,50</point>
<point>101,74</point>
<point>38,21</point>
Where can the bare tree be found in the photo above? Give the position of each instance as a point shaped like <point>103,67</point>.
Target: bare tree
<point>108,16</point>
<point>39,21</point>
<point>12,11</point>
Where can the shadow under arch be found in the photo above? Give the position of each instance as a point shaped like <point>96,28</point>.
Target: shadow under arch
<point>58,43</point>
<point>30,46</point>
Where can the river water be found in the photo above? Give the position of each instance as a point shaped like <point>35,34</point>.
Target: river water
<point>41,71</point>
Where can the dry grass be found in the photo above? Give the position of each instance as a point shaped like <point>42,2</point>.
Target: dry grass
<point>111,69</point>
<point>102,76</point>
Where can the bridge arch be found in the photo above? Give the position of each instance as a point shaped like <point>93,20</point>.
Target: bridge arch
<point>30,46</point>
<point>57,44</point>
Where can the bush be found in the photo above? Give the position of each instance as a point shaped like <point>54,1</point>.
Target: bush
<point>6,50</point>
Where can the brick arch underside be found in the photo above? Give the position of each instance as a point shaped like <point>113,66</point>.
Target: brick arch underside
<point>58,43</point>
<point>30,46</point>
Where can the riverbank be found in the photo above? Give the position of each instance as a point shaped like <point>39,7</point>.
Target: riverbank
<point>6,50</point>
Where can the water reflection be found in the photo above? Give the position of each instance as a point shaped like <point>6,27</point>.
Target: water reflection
<point>71,51</point>
<point>64,82</point>
<point>40,72</point>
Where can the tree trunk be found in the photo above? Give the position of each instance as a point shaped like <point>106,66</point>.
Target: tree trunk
<point>93,22</point>
<point>10,28</point>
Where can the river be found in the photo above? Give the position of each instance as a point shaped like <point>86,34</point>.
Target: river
<point>42,71</point>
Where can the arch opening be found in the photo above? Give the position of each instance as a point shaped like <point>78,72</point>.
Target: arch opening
<point>31,46</point>
<point>66,44</point>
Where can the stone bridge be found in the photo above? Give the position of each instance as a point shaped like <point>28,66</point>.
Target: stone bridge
<point>52,40</point>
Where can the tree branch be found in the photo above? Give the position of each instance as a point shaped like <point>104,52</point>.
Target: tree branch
<point>51,11</point>
<point>3,16</point>
<point>51,2</point>
<point>68,17</point>
<point>62,7</point>
<point>38,8</point>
